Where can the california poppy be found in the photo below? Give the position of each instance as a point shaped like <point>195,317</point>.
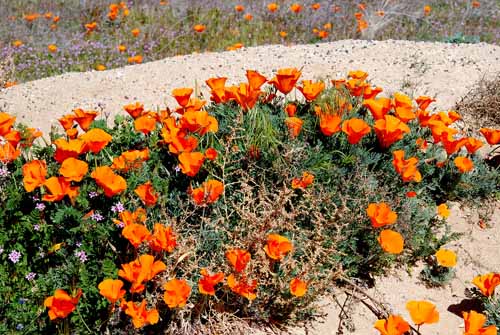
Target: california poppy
<point>422,312</point>
<point>463,164</point>
<point>403,107</point>
<point>111,183</point>
<point>136,234</point>
<point>391,241</point>
<point>381,215</point>
<point>474,322</point>
<point>446,258</point>
<point>389,130</point>
<point>473,144</point>
<point>111,289</point>
<point>277,246</point>
<point>128,218</point>
<point>255,79</point>
<point>207,282</point>
<point>130,160</point>
<point>294,125</point>
<point>355,129</point>
<point>140,315</point>
<point>487,283</point>
<point>238,258</point>
<point>66,149</point>
<point>141,270</point>
<point>217,85</point>
<point>163,238</point>
<point>208,193</point>
<point>272,7</point>
<point>443,210</point>
<point>239,8</point>
<point>84,118</point>
<point>90,27</point>
<point>176,293</point>
<point>191,162</point>
<point>145,123</point>
<point>57,188</point>
<point>135,32</point>
<point>211,154</point>
<point>8,152</point>
<point>96,139</point>
<point>298,287</point>
<point>393,325</point>
<point>424,101</point>
<point>310,90</point>
<point>147,194</point>
<point>407,168</point>
<point>378,107</point>
<point>73,169</point>
<point>304,181</point>
<point>427,10</point>
<point>182,95</point>
<point>6,123</point>
<point>61,304</point>
<point>242,287</point>
<point>296,8</point>
<point>285,79</point>
<point>491,135</point>
<point>52,48</point>
<point>34,173</point>
<point>329,124</point>
<point>199,122</point>
<point>199,28</point>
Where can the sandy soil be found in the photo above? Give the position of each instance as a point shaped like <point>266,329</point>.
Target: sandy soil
<point>446,71</point>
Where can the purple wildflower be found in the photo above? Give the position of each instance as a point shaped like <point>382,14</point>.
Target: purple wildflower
<point>117,208</point>
<point>40,206</point>
<point>14,256</point>
<point>97,217</point>
<point>36,227</point>
<point>93,194</point>
<point>4,172</point>
<point>81,255</point>
<point>30,276</point>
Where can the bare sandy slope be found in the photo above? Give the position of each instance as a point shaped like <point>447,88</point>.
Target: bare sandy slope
<point>445,71</point>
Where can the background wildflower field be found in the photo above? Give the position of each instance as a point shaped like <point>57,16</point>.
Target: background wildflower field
<point>45,38</point>
<point>238,208</point>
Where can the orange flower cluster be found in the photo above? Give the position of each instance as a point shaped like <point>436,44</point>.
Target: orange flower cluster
<point>61,304</point>
<point>487,283</point>
<point>303,182</point>
<point>407,168</point>
<point>140,271</point>
<point>116,8</point>
<point>11,140</point>
<point>208,193</point>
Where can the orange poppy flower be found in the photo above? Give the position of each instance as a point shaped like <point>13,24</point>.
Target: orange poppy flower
<point>255,79</point>
<point>130,160</point>
<point>474,324</point>
<point>358,74</point>
<point>294,125</point>
<point>17,43</point>
<point>137,59</point>
<point>407,168</point>
<point>199,28</point>
<point>355,129</point>
<point>487,283</point>
<point>207,282</point>
<point>163,239</point>
<point>315,6</point>
<point>208,193</point>
<point>57,188</point>
<point>182,95</point>
<point>61,304</point>
<point>211,154</point>
<point>134,110</point>
<point>73,169</point>
<point>277,246</point>
<point>389,130</point>
<point>238,258</point>
<point>217,85</point>
<point>283,34</point>
<point>8,153</point>
<point>329,123</point>
<point>475,4</point>
<point>111,289</point>
<point>96,139</point>
<point>296,8</point>
<point>111,183</point>
<point>378,107</point>
<point>463,164</point>
<point>446,258</point>
<point>427,10</point>
<point>411,194</point>
<point>199,122</point>
<point>323,34</point>
<point>311,90</point>
<point>191,162</point>
<point>298,287</point>
<point>243,94</point>
<point>443,210</point>
<point>248,17</point>
<point>304,181</point>
<point>90,27</point>
<point>473,144</point>
<point>403,107</point>
<point>272,7</point>
<point>128,218</point>
<point>391,241</point>
<point>140,315</point>
<point>242,287</point>
<point>285,79</point>
<point>239,8</point>
<point>66,121</point>
<point>34,173</point>
<point>291,109</point>
<point>183,144</point>
<point>135,32</point>
<point>450,145</point>
<point>422,312</point>
<point>147,194</point>
<point>424,101</point>
<point>491,135</point>
<point>136,234</point>
<point>381,215</point>
<point>393,325</point>
<point>141,270</point>
<point>6,123</point>
<point>52,48</point>
<point>84,118</point>
<point>177,292</point>
<point>122,48</point>
<point>29,136</point>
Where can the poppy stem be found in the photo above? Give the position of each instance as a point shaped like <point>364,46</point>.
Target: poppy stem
<point>83,321</point>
